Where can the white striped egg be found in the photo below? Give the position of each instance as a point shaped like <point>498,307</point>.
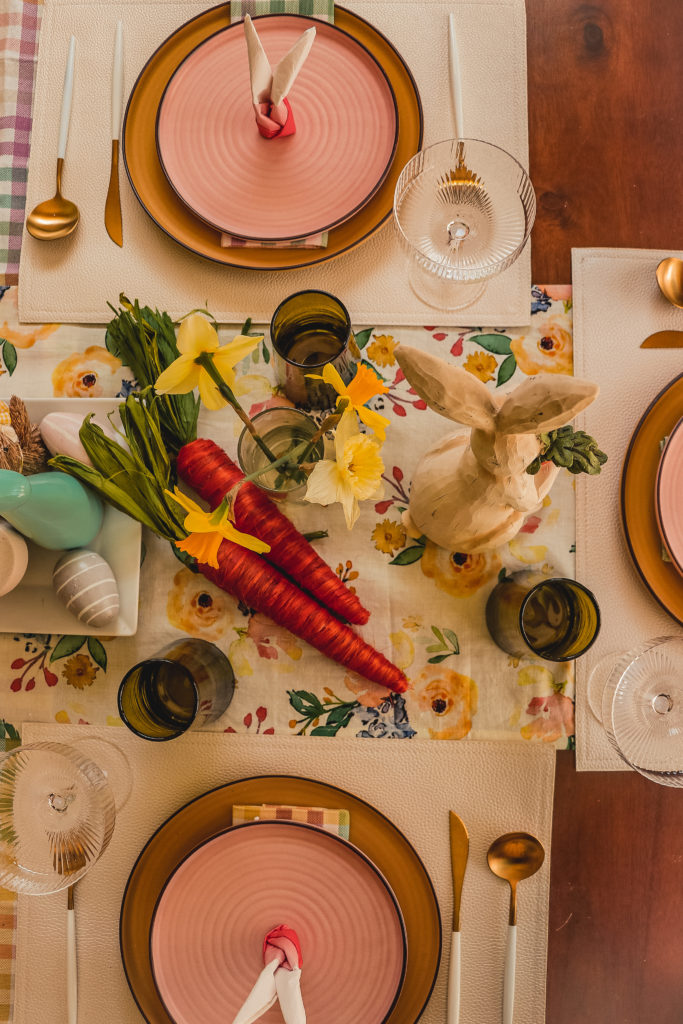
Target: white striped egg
<point>86,585</point>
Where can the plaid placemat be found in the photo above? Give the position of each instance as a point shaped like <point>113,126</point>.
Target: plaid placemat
<point>19,25</point>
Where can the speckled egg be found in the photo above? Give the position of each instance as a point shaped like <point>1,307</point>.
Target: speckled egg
<point>86,585</point>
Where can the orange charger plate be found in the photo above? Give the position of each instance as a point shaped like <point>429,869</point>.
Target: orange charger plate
<point>638,482</point>
<point>165,208</point>
<point>211,813</point>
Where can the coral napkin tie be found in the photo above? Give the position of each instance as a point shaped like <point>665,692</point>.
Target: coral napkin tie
<point>270,86</point>
<point>279,979</point>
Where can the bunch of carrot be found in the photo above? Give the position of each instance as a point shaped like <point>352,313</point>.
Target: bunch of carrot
<point>260,585</point>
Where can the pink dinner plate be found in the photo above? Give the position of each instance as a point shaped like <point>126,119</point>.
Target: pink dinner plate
<point>669,496</point>
<point>207,932</point>
<point>279,189</point>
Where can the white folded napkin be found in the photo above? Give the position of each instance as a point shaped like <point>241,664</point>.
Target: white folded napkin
<point>270,86</point>
<point>279,979</point>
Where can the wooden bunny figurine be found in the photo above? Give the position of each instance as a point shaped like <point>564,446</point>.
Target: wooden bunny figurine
<point>471,492</point>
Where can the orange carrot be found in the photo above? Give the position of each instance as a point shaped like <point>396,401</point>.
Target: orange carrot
<point>259,585</point>
<point>209,471</point>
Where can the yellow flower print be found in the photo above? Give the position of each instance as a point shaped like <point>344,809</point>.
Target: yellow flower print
<point>530,554</point>
<point>538,676</point>
<point>482,365</point>
<point>381,350</point>
<point>459,574</point>
<point>547,348</point>
<point>89,374</point>
<point>79,671</point>
<point>389,536</point>
<point>446,700</point>
<point>412,622</point>
<point>26,339</point>
<point>199,608</point>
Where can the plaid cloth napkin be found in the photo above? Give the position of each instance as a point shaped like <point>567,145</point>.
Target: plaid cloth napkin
<point>335,821</point>
<point>19,25</point>
<point>324,11</point>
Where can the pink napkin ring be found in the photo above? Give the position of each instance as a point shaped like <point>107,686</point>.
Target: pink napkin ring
<point>274,121</point>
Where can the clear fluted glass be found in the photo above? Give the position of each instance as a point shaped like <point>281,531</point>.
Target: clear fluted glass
<point>637,695</point>
<point>463,209</point>
<point>57,815</point>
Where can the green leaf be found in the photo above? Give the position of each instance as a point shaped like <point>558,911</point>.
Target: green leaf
<point>432,648</point>
<point>438,659</point>
<point>9,354</point>
<point>439,636</point>
<point>363,337</point>
<point>325,730</point>
<point>266,353</point>
<point>188,560</point>
<point>97,652</point>
<point>409,555</point>
<point>453,639</point>
<point>67,645</point>
<point>340,715</point>
<point>497,343</point>
<point>305,703</point>
<point>506,370</point>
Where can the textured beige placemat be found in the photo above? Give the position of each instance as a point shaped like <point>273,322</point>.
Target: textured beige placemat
<point>495,787</point>
<point>70,280</point>
<point>617,304</point>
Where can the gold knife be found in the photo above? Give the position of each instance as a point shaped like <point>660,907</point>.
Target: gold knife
<point>664,339</point>
<point>460,845</point>
<point>112,206</point>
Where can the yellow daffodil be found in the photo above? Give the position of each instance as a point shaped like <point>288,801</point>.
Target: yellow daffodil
<point>354,474</point>
<point>197,336</point>
<point>207,530</point>
<point>364,386</point>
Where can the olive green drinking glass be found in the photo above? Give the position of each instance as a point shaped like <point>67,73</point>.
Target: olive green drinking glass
<point>309,330</point>
<point>554,618</point>
<point>186,685</point>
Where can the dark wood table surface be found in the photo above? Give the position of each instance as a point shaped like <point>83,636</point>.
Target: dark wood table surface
<point>606,159</point>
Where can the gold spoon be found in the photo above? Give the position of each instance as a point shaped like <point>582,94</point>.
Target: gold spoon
<point>58,217</point>
<point>670,280</point>
<point>513,857</point>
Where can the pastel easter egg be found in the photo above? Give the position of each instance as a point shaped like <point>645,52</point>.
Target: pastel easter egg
<point>86,585</point>
<point>13,558</point>
<point>59,431</point>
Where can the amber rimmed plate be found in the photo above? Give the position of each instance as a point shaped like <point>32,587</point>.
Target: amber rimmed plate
<point>208,816</point>
<point>157,197</point>
<point>669,496</point>
<point>209,924</point>
<point>638,483</point>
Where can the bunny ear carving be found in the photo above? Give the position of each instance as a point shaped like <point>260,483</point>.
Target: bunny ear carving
<point>543,403</point>
<point>448,390</point>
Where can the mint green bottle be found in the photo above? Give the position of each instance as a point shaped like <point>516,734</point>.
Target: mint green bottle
<point>52,509</point>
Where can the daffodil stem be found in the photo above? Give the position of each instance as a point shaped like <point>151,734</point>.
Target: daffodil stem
<point>205,360</point>
<point>327,424</point>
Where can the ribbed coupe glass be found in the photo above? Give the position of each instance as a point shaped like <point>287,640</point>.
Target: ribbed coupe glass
<point>464,210</point>
<point>57,816</point>
<point>637,695</point>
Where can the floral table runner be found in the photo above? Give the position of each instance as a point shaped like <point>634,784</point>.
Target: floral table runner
<point>427,603</point>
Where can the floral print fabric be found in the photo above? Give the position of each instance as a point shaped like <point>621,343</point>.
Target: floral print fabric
<point>427,603</point>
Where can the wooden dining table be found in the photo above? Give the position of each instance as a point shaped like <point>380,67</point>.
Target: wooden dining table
<point>606,159</point>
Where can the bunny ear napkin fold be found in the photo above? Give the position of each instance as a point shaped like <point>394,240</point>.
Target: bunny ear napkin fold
<point>279,979</point>
<point>270,86</point>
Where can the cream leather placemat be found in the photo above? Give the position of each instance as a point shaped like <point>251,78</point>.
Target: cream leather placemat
<point>71,280</point>
<point>495,787</point>
<point>617,304</point>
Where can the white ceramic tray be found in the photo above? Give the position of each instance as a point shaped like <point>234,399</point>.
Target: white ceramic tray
<point>32,606</point>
